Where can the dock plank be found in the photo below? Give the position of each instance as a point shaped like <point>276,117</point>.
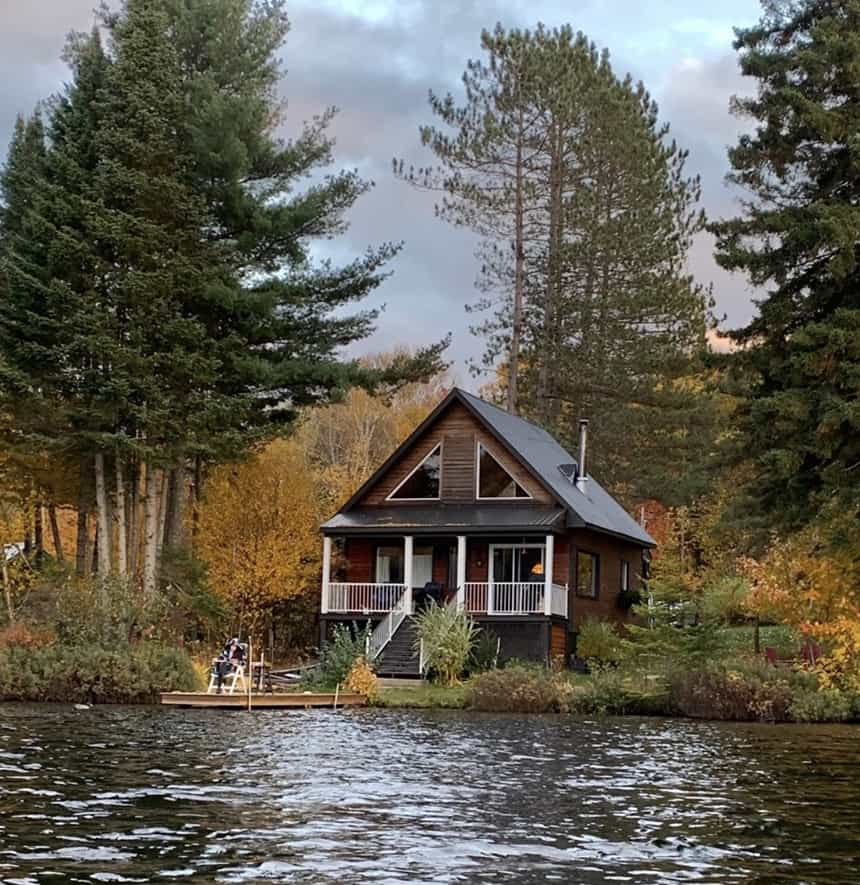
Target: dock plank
<point>283,700</point>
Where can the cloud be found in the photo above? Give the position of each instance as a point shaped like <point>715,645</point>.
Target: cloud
<point>376,61</point>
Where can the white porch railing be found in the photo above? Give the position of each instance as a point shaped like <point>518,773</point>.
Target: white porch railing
<point>386,629</point>
<point>514,598</point>
<point>364,598</point>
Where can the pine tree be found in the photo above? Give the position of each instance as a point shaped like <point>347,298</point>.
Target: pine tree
<point>798,237</point>
<point>562,165</point>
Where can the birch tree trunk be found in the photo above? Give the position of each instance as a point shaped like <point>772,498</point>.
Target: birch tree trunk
<point>7,590</point>
<point>102,518</point>
<point>151,501</point>
<point>122,533</point>
<point>83,532</point>
<point>135,519</point>
<point>55,534</point>
<point>163,494</point>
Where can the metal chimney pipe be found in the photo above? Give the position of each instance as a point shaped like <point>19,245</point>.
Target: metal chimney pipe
<point>581,472</point>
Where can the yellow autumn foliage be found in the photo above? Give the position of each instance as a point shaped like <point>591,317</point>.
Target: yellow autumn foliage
<point>805,583</point>
<point>259,530</point>
<point>361,679</point>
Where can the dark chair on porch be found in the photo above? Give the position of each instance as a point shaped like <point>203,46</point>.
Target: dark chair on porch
<point>431,592</point>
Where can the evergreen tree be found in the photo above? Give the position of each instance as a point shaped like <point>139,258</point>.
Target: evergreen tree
<point>798,237</point>
<point>588,215</point>
<point>173,313</point>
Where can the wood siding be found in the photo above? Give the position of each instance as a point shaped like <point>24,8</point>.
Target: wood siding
<point>360,560</point>
<point>458,432</point>
<point>611,552</point>
<point>558,641</point>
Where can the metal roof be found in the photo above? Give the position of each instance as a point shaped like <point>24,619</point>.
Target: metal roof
<point>439,518</point>
<point>593,507</point>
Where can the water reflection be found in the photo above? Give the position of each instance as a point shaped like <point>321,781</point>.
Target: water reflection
<point>132,794</point>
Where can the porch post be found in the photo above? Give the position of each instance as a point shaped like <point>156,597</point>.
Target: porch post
<point>547,574</point>
<point>326,573</point>
<point>407,572</point>
<point>461,572</point>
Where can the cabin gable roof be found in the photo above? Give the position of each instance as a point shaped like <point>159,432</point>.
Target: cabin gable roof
<point>538,453</point>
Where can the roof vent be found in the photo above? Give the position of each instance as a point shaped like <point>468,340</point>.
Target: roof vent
<point>568,471</point>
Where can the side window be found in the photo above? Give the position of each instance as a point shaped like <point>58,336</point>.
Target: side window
<point>625,575</point>
<point>587,574</point>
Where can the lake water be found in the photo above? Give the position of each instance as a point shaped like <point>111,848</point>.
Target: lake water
<point>147,794</point>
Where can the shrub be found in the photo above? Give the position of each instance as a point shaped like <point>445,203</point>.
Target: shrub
<point>821,705</point>
<point>485,652</point>
<point>722,693</point>
<point>518,689</point>
<point>129,674</point>
<point>446,636</point>
<point>340,653</point>
<point>361,679</point>
<point>598,641</point>
<point>610,690</point>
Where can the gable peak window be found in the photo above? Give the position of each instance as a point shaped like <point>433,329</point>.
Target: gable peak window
<point>424,482</point>
<point>494,481</point>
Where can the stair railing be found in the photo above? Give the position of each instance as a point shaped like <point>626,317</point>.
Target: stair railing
<point>385,629</point>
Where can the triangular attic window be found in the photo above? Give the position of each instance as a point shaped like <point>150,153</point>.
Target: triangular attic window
<point>423,482</point>
<point>494,481</point>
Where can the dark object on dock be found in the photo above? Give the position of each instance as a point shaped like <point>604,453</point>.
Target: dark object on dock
<point>294,699</point>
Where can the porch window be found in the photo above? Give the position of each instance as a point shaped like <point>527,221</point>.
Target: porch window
<point>493,480</point>
<point>389,565</point>
<point>587,574</point>
<point>518,564</point>
<point>424,481</point>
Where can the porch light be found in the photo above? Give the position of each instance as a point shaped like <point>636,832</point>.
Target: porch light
<point>537,568</point>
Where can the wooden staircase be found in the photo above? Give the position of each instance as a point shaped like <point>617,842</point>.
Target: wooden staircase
<point>398,657</point>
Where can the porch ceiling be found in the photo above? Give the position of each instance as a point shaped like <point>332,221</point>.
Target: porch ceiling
<point>442,518</point>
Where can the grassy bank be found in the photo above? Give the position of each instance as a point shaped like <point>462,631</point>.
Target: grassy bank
<point>750,693</point>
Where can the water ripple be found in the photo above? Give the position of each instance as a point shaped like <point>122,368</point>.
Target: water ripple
<point>143,794</point>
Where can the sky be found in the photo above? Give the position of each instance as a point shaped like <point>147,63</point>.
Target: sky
<point>376,60</point>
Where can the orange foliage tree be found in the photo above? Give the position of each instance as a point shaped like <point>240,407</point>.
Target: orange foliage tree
<point>811,585</point>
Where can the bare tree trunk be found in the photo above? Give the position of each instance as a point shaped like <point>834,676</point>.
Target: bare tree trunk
<point>38,534</point>
<point>163,494</point>
<point>173,535</point>
<point>7,590</point>
<point>519,263</point>
<point>94,565</point>
<point>122,534</point>
<point>55,534</point>
<point>198,494</point>
<point>82,543</point>
<point>134,519</point>
<point>102,517</point>
<point>150,530</point>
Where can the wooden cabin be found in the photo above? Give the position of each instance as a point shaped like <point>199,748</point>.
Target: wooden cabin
<point>484,510</point>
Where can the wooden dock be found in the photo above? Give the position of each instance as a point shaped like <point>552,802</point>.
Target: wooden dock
<point>262,701</point>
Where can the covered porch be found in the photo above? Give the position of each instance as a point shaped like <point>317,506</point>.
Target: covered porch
<point>495,576</point>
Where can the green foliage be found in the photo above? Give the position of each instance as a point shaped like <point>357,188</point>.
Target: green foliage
<point>338,654</point>
<point>609,690</point>
<point>485,652</point>
<point>443,697</point>
<point>598,641</point>
<point>446,635</point>
<point>520,689</point>
<point>821,705</point>
<point>797,240</point>
<point>121,674</point>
